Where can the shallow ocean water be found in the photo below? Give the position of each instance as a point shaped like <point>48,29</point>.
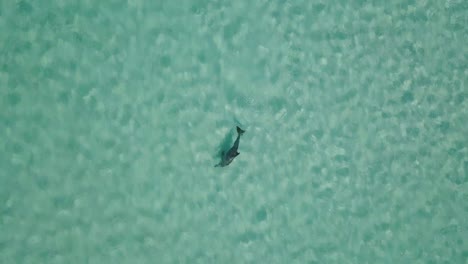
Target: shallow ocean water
<point>112,114</point>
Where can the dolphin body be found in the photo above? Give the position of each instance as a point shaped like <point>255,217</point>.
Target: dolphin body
<point>228,157</point>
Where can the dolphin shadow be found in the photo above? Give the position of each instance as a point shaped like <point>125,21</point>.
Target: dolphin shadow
<point>225,144</point>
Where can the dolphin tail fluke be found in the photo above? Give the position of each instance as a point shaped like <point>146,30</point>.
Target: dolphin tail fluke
<point>240,131</point>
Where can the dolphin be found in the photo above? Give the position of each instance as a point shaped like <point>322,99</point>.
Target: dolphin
<point>228,157</point>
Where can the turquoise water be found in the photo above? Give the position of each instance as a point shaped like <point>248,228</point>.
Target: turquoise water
<point>112,114</point>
